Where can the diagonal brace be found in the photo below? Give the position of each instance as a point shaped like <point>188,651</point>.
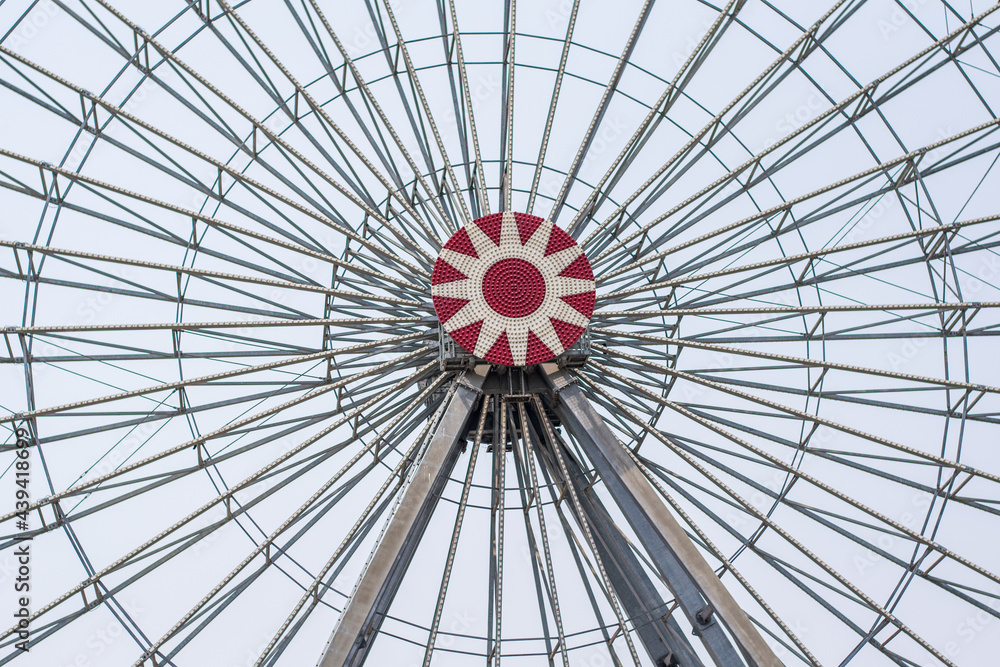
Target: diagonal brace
<point>706,602</point>
<point>375,590</point>
<point>658,630</point>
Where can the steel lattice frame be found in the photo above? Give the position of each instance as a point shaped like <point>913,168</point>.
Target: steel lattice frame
<point>251,440</point>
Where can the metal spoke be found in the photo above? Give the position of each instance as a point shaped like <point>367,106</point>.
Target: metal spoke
<point>602,108</point>
<point>256,124</point>
<point>198,444</point>
<point>349,62</point>
<point>427,111</point>
<point>536,500</point>
<point>79,178</point>
<point>800,361</point>
<point>865,104</point>
<point>265,546</point>
<point>497,535</point>
<point>326,354</point>
<point>913,535</point>
<point>319,111</point>
<point>936,234</point>
<point>938,460</point>
<point>222,498</point>
<point>874,606</point>
<point>556,87</point>
<point>662,107</point>
<point>581,519</point>
<point>873,174</point>
<point>800,49</point>
<point>479,182</point>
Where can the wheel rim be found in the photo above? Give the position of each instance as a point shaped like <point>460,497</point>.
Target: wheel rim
<point>790,339</point>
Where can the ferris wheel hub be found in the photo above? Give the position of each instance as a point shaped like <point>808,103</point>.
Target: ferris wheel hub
<point>513,289</point>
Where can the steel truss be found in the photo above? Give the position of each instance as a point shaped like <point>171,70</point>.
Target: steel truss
<point>247,429</point>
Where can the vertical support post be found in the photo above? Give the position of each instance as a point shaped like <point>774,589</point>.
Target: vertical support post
<point>700,593</point>
<point>660,634</point>
<point>380,579</point>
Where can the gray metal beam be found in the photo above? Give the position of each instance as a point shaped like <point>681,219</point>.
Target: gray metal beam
<point>700,593</point>
<point>375,590</point>
<point>660,634</point>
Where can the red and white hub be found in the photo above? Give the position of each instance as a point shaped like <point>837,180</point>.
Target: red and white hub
<point>513,289</point>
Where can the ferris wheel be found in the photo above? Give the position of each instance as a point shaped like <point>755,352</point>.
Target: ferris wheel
<point>441,332</point>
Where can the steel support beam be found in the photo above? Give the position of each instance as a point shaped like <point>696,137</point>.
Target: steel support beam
<point>660,634</point>
<point>699,592</point>
<point>375,590</point>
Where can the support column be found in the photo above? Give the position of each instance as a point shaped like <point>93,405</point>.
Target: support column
<point>380,580</point>
<point>700,593</point>
<point>661,635</point>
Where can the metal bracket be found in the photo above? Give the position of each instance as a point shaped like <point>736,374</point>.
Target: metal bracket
<point>704,614</point>
<point>558,381</point>
<point>453,357</point>
<point>576,356</point>
<point>477,387</point>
